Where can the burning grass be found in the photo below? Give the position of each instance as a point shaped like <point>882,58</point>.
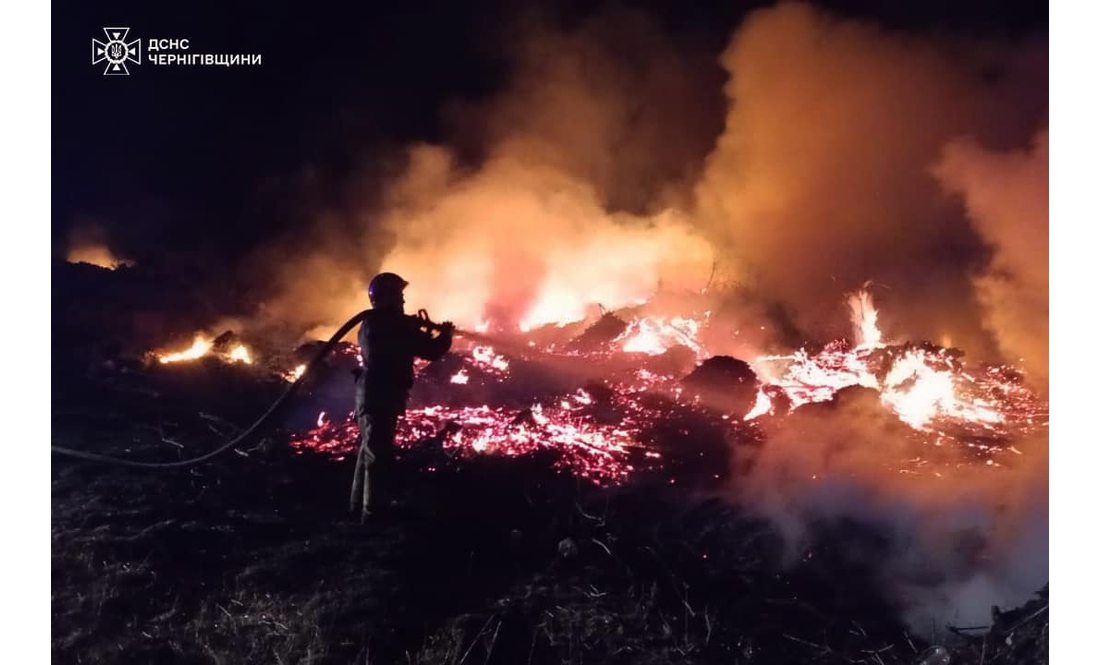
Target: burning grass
<point>234,352</point>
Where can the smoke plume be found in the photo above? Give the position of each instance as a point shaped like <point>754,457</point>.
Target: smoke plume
<point>603,173</point>
<point>820,180</point>
<point>616,165</point>
<point>556,195</point>
<point>952,537</point>
<point>1007,200</point>
<point>87,243</point>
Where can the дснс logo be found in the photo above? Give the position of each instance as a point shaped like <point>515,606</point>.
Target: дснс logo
<point>116,51</point>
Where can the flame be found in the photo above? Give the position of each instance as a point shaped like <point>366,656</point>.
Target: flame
<point>240,353</point>
<point>96,254</point>
<point>203,346</point>
<point>922,387</point>
<point>926,388</point>
<point>918,393</point>
<point>644,340</point>
<point>762,405</point>
<point>489,359</point>
<point>654,336</point>
<point>199,348</point>
<point>865,320</point>
<point>293,375</point>
<point>557,308</point>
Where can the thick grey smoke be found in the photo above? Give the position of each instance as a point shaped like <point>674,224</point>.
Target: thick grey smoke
<point>960,535</point>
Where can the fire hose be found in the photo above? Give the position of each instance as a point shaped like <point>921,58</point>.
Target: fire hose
<point>275,406</point>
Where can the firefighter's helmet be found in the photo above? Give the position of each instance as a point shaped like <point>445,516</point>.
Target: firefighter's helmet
<point>386,288</point>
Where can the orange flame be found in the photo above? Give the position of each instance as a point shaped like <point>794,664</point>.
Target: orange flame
<point>654,336</point>
<point>293,375</point>
<point>865,319</point>
<point>202,347</point>
<point>97,255</point>
<point>199,348</point>
<point>487,358</point>
<point>921,387</point>
<point>918,394</point>
<point>762,405</point>
<point>240,353</point>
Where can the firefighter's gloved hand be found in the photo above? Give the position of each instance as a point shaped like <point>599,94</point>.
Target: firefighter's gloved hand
<point>447,328</point>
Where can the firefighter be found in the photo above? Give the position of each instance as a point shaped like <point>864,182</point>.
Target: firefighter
<point>389,341</point>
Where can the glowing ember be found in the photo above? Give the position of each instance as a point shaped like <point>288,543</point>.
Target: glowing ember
<point>600,453</point>
<point>927,387</point>
<point>199,348</point>
<point>488,359</point>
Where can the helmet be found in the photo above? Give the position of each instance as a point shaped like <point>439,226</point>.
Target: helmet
<point>385,288</point>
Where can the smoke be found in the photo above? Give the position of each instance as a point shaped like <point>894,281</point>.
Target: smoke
<point>843,155</point>
<point>556,195</point>
<point>953,536</point>
<point>521,243</point>
<point>1007,201</point>
<point>820,180</point>
<point>612,168</point>
<point>87,243</point>
<point>603,173</point>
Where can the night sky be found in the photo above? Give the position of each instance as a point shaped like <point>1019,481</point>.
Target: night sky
<point>201,164</point>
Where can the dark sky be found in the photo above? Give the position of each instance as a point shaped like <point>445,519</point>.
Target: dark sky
<point>205,162</point>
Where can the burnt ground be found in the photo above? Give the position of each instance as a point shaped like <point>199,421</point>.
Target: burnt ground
<point>252,559</point>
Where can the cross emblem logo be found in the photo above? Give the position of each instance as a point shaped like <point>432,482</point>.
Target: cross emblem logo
<point>116,51</point>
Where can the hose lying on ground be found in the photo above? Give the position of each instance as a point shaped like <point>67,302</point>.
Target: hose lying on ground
<point>243,436</point>
<point>277,404</point>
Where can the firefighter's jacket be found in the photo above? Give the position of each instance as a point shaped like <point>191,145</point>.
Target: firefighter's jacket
<point>389,342</point>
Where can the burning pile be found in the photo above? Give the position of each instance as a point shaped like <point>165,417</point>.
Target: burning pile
<point>927,388</point>
<point>473,405</point>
